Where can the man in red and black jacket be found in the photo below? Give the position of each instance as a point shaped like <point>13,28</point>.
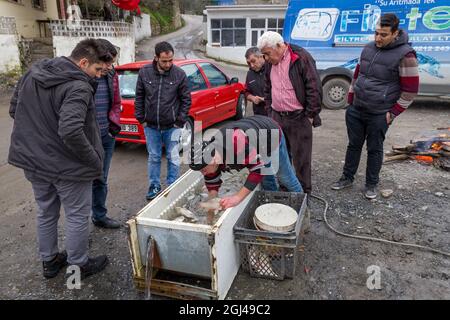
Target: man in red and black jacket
<point>293,96</point>
<point>256,143</point>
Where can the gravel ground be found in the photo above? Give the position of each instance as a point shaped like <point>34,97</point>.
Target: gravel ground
<point>329,266</point>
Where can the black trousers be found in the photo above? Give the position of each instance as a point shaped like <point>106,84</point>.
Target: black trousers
<point>260,109</point>
<point>299,137</point>
<point>362,126</point>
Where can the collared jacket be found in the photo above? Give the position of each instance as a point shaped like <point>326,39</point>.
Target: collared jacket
<point>254,85</point>
<point>162,100</point>
<point>305,79</point>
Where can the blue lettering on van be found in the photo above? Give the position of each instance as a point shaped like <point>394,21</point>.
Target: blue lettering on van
<point>437,18</point>
<point>319,24</point>
<point>335,32</point>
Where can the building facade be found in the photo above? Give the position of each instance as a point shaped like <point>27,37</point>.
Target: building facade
<point>231,30</point>
<point>10,57</point>
<point>39,29</point>
<point>28,13</point>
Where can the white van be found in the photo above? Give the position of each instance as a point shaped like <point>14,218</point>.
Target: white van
<point>335,32</point>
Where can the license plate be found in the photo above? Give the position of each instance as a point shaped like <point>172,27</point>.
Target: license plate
<point>129,127</point>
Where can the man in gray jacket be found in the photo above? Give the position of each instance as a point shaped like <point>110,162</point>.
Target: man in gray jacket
<point>56,141</point>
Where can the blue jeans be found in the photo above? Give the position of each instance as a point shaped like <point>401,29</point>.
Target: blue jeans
<point>155,140</point>
<point>285,172</point>
<point>100,186</point>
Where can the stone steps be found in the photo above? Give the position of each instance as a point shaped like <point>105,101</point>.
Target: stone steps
<point>40,48</point>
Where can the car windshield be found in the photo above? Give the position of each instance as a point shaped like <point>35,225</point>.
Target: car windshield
<point>127,83</point>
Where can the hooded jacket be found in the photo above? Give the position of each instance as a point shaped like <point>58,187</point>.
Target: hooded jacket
<point>55,132</point>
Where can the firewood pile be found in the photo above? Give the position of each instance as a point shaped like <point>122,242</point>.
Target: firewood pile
<point>431,148</point>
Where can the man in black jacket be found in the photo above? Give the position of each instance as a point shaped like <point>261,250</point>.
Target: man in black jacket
<point>255,80</point>
<point>162,105</point>
<point>56,140</point>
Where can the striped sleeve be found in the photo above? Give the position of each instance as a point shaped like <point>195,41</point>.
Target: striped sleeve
<point>213,181</point>
<point>351,92</point>
<point>409,83</point>
<point>248,155</point>
<point>254,177</point>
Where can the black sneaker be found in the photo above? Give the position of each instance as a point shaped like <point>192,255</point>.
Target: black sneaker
<point>93,266</point>
<point>153,191</point>
<point>342,183</point>
<point>51,268</point>
<point>106,223</point>
<point>370,192</point>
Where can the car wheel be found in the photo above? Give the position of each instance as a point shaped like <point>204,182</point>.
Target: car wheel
<point>186,135</point>
<point>241,107</point>
<point>335,91</point>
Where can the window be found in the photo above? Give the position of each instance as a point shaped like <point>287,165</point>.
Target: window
<point>38,4</point>
<point>258,23</point>
<point>216,36</point>
<point>228,32</point>
<point>259,26</point>
<point>195,78</point>
<point>275,25</point>
<point>127,83</point>
<point>215,76</point>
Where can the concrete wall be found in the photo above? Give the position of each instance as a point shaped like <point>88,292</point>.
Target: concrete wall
<point>142,27</point>
<point>26,15</point>
<point>10,55</point>
<point>121,34</point>
<point>236,54</point>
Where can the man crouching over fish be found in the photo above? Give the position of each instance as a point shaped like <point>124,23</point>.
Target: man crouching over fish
<point>256,143</point>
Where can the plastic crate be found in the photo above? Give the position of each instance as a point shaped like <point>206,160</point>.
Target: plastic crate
<point>265,254</point>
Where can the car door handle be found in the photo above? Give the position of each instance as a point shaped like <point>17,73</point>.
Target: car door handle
<point>216,93</point>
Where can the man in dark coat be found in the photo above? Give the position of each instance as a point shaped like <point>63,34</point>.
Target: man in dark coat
<point>162,105</point>
<point>56,141</point>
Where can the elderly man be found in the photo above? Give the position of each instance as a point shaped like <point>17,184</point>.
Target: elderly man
<point>293,96</point>
<point>255,81</point>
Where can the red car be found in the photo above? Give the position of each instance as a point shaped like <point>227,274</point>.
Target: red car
<point>215,97</point>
